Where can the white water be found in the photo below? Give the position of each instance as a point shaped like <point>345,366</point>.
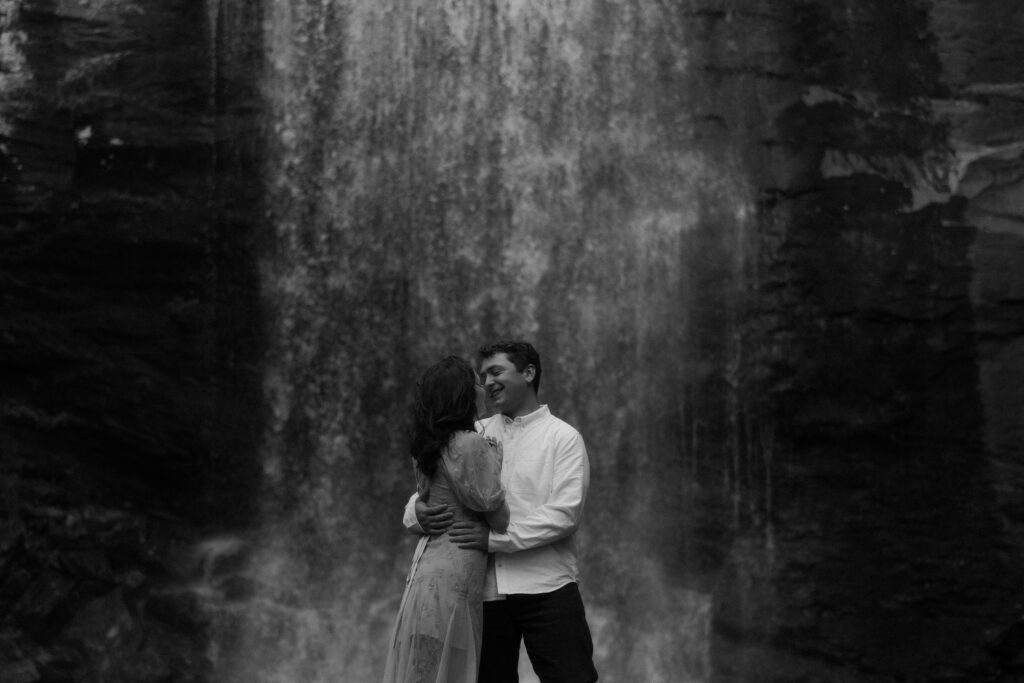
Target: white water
<point>437,174</point>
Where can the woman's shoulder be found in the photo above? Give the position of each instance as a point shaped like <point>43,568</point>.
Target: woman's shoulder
<point>466,442</point>
<point>472,445</point>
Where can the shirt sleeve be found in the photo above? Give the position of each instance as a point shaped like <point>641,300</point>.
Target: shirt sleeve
<point>474,465</point>
<point>560,515</point>
<point>412,525</point>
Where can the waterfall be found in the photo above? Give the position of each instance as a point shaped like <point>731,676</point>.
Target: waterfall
<point>442,174</point>
<point>710,221</point>
<point>769,253</point>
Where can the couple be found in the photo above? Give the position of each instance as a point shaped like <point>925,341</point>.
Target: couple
<point>498,510</point>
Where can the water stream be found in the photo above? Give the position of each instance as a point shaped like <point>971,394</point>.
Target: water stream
<point>439,174</point>
<point>744,330</point>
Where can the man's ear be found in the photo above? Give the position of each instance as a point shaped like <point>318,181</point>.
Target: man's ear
<point>529,372</point>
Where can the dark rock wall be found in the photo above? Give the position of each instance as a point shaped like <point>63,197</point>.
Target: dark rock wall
<point>126,335</point>
<point>891,549</point>
<point>986,139</point>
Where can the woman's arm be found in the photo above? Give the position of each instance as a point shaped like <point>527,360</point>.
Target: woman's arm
<point>475,469</point>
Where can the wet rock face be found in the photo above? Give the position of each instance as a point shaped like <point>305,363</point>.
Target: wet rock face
<point>118,402</point>
<point>895,485</point>
<point>768,251</point>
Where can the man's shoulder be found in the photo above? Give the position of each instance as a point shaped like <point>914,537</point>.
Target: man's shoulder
<point>557,426</point>
<point>488,422</point>
<point>545,420</point>
<point>489,426</point>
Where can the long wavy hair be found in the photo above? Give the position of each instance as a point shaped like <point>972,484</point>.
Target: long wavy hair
<point>444,403</point>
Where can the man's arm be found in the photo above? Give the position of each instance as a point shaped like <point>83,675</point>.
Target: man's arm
<point>561,514</point>
<point>420,518</point>
<point>412,525</point>
<point>550,522</point>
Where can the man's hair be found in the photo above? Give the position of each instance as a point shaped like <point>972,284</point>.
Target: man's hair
<point>521,354</point>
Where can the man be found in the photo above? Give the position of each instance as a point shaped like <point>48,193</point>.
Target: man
<point>531,592</point>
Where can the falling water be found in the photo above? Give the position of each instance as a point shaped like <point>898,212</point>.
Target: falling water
<point>769,251</point>
<point>440,174</point>
<point>636,187</point>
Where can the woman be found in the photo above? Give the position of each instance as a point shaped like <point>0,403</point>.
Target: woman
<point>436,638</point>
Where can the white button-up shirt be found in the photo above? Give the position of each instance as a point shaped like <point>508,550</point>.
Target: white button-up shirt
<point>545,472</point>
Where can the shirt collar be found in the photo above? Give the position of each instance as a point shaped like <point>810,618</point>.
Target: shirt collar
<point>525,420</point>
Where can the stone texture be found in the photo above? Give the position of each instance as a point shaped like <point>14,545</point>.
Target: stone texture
<point>768,251</point>
<point>125,387</point>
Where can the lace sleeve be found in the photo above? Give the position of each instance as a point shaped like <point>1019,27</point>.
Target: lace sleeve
<point>475,468</point>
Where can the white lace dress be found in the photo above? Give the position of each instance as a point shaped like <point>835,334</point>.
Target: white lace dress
<point>436,638</point>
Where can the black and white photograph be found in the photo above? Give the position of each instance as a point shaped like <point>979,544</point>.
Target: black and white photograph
<point>498,341</point>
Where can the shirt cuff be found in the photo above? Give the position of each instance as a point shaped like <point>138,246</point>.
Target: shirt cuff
<point>497,543</point>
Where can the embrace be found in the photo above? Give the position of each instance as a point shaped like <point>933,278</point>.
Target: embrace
<point>497,505</point>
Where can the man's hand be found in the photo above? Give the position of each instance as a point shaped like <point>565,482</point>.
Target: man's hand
<point>433,519</point>
<point>470,535</point>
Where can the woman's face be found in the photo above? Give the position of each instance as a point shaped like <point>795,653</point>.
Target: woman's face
<point>481,397</point>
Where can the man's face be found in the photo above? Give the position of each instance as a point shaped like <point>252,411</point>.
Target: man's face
<point>507,389</point>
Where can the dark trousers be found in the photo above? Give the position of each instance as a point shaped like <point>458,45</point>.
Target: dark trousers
<point>553,626</point>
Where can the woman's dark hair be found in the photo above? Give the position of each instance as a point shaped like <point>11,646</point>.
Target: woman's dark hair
<point>444,403</point>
